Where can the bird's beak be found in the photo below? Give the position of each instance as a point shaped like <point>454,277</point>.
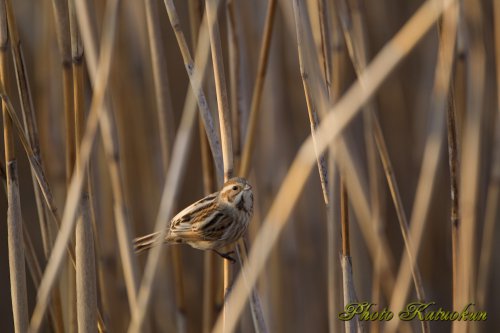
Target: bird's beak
<point>247,187</point>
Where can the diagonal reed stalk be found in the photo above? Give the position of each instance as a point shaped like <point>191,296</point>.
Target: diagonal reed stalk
<point>347,107</point>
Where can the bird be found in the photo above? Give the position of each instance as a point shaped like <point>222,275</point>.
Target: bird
<point>211,223</point>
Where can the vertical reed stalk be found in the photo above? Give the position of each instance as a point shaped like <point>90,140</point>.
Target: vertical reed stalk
<point>167,130</point>
<point>211,7</point>
<point>493,195</point>
<point>470,157</point>
<point>234,78</point>
<point>311,107</point>
<point>113,159</point>
<point>257,89</point>
<point>17,269</point>
<point>29,120</point>
<point>209,186</point>
<point>212,136</point>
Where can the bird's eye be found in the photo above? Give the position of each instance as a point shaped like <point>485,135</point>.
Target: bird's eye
<point>235,188</point>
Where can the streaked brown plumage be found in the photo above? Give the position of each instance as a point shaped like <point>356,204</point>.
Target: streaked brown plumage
<point>217,220</point>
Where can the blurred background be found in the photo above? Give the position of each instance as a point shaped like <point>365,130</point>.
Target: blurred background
<point>293,288</point>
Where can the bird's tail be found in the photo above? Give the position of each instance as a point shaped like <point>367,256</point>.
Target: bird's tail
<point>145,243</point>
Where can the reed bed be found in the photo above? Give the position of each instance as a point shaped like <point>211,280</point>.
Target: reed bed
<point>370,132</point>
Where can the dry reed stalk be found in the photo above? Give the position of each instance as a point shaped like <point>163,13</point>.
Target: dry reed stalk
<point>55,311</point>
<point>75,189</point>
<point>249,141</point>
<point>191,70</point>
<point>129,262</point>
<point>19,296</point>
<point>30,254</point>
<point>172,183</point>
<point>430,160</point>
<point>210,264</point>
<point>311,107</point>
<point>234,56</point>
<point>167,131</point>
<point>235,80</point>
<point>353,178</point>
<point>220,87</point>
<point>61,17</point>
<point>43,185</point>
<point>451,125</point>
<point>470,158</point>
<point>259,322</point>
<point>40,177</point>
<point>86,293</point>
<point>493,195</point>
<point>348,106</point>
<point>355,34</point>
<point>209,186</point>
<point>351,326</point>
<point>334,89</point>
<point>211,7</point>
<point>36,168</point>
<point>164,108</point>
<point>333,241</point>
<point>29,121</point>
<point>346,264</point>
<point>86,289</point>
<point>356,40</point>
<point>87,205</point>
<point>325,25</point>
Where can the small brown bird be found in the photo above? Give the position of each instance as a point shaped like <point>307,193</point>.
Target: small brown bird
<point>217,220</point>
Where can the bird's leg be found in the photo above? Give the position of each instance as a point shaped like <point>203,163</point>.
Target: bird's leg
<point>226,255</point>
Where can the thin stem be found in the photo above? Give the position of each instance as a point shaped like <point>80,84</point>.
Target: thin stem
<point>213,138</point>
<point>17,272</point>
<point>29,121</point>
<point>257,89</point>
<point>224,117</point>
<point>311,107</point>
<point>493,195</point>
<point>209,186</point>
